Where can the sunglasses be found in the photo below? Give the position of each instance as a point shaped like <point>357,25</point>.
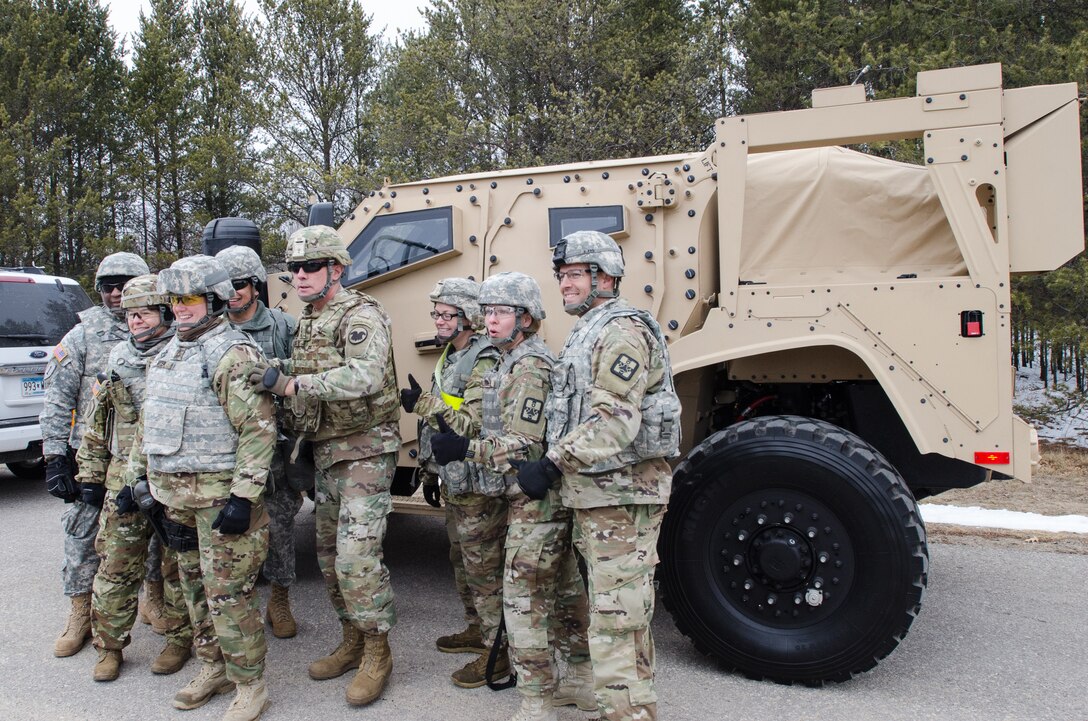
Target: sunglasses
<point>240,283</point>
<point>110,287</point>
<point>186,299</point>
<point>310,266</point>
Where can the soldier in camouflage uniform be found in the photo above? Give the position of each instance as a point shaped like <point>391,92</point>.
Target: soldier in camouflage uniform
<point>123,533</point>
<point>340,391</point>
<point>613,419</point>
<point>204,443</point>
<point>70,376</point>
<point>476,506</point>
<point>510,428</point>
<point>274,331</point>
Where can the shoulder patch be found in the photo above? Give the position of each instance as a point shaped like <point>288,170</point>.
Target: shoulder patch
<point>357,335</point>
<point>531,410</point>
<point>624,367</point>
<point>60,352</point>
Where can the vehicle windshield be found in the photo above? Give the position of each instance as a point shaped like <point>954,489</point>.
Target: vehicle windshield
<point>38,314</point>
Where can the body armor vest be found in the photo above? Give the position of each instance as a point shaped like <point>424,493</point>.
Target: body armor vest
<point>319,347</point>
<point>270,331</point>
<point>492,409</point>
<point>101,332</point>
<point>186,430</point>
<point>568,405</point>
<point>460,477</point>
<point>127,387</point>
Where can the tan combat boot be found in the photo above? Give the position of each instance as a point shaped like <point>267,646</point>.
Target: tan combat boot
<point>373,673</point>
<point>211,680</point>
<point>347,655</point>
<point>77,629</point>
<point>474,673</point>
<point>170,660</point>
<point>576,688</point>
<point>468,641</point>
<point>250,701</point>
<point>279,613</point>
<point>151,607</point>
<point>535,708</point>
<point>108,667</point>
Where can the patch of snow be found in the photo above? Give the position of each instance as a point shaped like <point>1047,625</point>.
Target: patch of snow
<point>1015,520</point>
<point>1058,414</point>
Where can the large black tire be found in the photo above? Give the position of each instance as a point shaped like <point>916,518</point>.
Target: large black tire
<point>792,551</point>
<point>30,470</point>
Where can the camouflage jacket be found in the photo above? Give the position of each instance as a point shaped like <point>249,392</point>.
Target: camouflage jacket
<point>347,385</point>
<point>251,415</point>
<point>271,329</point>
<point>70,376</point>
<point>111,426</point>
<point>624,360</point>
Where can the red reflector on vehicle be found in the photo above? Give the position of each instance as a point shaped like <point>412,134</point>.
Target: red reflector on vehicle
<point>993,458</point>
<point>16,280</point>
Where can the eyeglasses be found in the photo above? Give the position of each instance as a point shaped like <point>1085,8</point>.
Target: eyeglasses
<point>576,274</point>
<point>110,287</point>
<point>500,310</point>
<point>310,266</point>
<point>445,316</point>
<point>240,283</point>
<point>186,299</point>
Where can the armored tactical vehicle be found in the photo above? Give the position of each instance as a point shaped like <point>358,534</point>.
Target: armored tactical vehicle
<point>839,327</point>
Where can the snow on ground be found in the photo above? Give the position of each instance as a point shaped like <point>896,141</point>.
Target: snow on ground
<point>1015,520</point>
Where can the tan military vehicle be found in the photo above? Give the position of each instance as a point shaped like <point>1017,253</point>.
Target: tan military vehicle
<point>839,331</point>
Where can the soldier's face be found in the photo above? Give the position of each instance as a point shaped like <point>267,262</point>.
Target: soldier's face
<point>501,320</point>
<point>111,296</point>
<point>308,284</point>
<point>188,314</point>
<point>141,320</point>
<point>445,328</point>
<point>242,296</point>
<point>576,287</point>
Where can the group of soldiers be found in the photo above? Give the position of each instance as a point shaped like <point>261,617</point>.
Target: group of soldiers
<point>177,410</point>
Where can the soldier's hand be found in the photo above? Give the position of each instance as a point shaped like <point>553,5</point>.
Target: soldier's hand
<point>93,494</point>
<point>447,446</point>
<point>126,503</point>
<point>432,495</point>
<point>410,396</point>
<point>536,477</point>
<point>233,518</point>
<point>59,480</point>
<point>266,378</point>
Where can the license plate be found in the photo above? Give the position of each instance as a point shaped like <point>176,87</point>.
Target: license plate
<point>33,386</point>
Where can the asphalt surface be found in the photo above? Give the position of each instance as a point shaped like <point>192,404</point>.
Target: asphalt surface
<point>1000,636</point>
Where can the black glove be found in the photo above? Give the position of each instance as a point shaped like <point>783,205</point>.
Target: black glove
<point>125,502</point>
<point>447,446</point>
<point>536,477</point>
<point>267,378</point>
<point>93,494</point>
<point>409,396</point>
<point>59,480</point>
<point>431,495</point>
<point>234,517</point>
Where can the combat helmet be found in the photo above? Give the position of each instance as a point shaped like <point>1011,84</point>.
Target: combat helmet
<point>600,252</point>
<point>198,275</point>
<point>461,293</point>
<point>518,290</point>
<point>142,292</point>
<point>317,242</point>
<point>242,262</point>
<point>119,265</point>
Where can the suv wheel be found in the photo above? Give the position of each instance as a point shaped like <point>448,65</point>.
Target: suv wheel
<point>31,470</point>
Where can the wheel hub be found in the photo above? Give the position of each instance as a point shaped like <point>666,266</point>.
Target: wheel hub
<point>781,556</point>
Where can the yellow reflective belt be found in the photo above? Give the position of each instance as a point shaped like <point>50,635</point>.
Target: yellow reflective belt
<point>453,402</point>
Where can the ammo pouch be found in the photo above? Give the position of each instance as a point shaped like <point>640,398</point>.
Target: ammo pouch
<point>299,469</point>
<point>302,415</point>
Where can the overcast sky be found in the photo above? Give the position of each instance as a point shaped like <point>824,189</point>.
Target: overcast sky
<point>393,15</point>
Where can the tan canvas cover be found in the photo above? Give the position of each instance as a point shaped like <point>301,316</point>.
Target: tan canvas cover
<point>832,215</point>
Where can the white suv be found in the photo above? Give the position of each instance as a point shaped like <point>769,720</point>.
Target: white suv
<point>36,310</point>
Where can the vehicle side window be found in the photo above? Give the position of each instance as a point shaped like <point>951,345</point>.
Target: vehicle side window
<point>396,240</point>
<point>564,221</point>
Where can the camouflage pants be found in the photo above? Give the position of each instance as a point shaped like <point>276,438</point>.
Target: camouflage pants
<point>122,544</point>
<point>540,560</point>
<point>353,504</point>
<point>219,580</point>
<point>283,505</point>
<point>80,523</point>
<point>619,545</point>
<point>476,525</point>
<point>153,565</point>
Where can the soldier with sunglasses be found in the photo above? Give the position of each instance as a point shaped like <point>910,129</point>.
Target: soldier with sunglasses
<point>274,331</point>
<point>70,376</point>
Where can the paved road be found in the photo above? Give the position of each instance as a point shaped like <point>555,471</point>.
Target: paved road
<point>1000,636</point>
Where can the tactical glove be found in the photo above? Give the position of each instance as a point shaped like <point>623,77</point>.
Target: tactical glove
<point>93,494</point>
<point>233,518</point>
<point>447,446</point>
<point>432,495</point>
<point>59,480</point>
<point>536,477</point>
<point>267,378</point>
<point>126,503</point>
<point>410,396</point>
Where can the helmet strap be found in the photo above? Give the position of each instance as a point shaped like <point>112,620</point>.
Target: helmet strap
<point>328,284</point>
<point>594,293</point>
<point>501,343</point>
